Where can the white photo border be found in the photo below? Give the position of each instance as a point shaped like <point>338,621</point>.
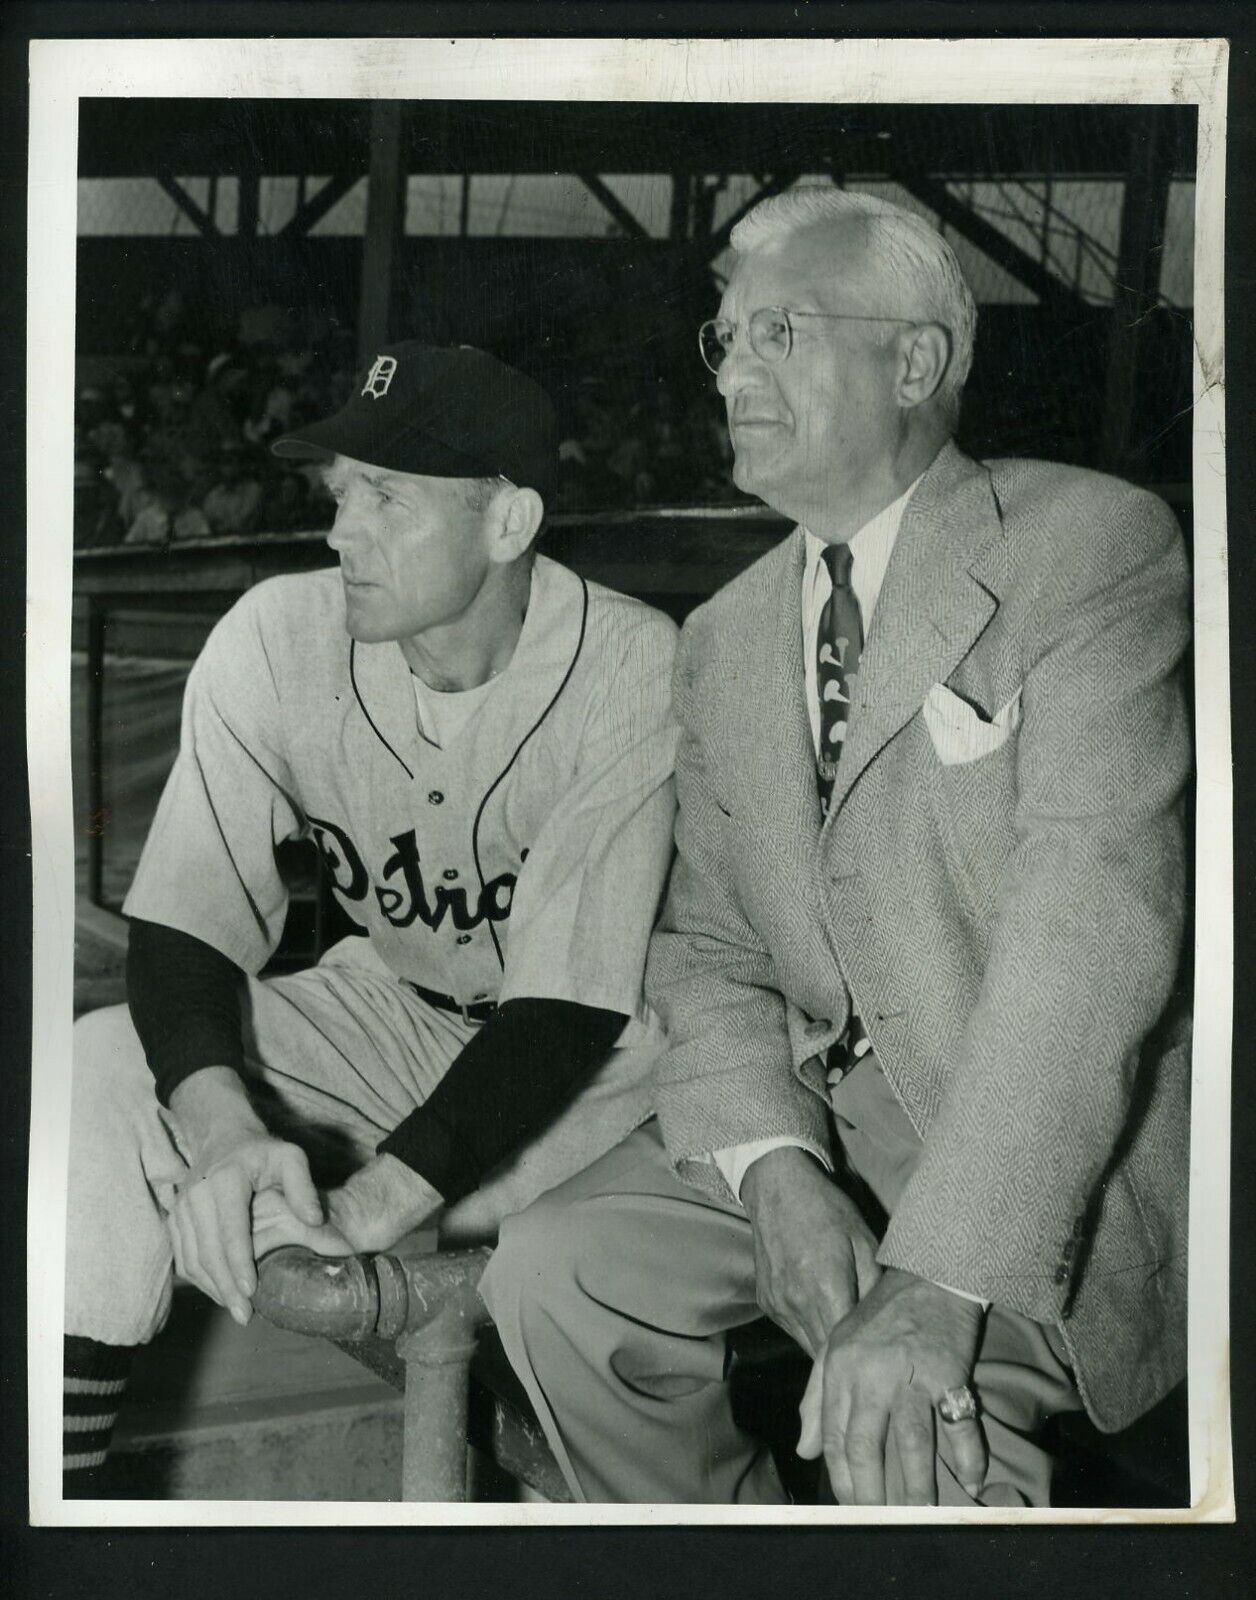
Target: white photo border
<point>1127,71</point>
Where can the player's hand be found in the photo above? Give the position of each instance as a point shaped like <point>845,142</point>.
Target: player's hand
<point>275,1223</point>
<point>814,1254</point>
<point>880,1376</point>
<point>210,1225</point>
<point>380,1202</point>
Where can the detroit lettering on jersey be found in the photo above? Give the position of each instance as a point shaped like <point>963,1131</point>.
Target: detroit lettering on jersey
<point>407,899</point>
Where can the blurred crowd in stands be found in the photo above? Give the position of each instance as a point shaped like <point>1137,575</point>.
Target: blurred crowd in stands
<point>172,433</point>
<point>626,444</point>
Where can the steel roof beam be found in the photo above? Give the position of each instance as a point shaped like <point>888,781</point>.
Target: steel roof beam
<point>990,241</point>
<point>613,204</point>
<point>318,205</point>
<point>200,220</point>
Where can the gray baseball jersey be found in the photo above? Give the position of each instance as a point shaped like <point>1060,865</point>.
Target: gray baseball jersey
<point>525,858</point>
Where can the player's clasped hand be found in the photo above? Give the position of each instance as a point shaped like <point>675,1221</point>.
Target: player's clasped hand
<point>874,1389</point>
<point>380,1201</point>
<point>210,1224</point>
<point>275,1223</point>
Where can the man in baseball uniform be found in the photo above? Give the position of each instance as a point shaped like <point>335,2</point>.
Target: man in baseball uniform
<point>480,744</point>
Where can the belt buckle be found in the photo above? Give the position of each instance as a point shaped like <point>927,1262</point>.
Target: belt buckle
<point>466,1013</point>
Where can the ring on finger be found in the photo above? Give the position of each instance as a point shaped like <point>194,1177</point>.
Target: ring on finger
<point>958,1404</point>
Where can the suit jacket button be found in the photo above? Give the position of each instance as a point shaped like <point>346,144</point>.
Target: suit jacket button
<point>450,872</point>
<point>434,797</point>
<point>1061,1274</point>
<point>463,938</point>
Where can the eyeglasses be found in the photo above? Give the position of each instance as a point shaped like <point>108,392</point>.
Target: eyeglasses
<point>770,332</point>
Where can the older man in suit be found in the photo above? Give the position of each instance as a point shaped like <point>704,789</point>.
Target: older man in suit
<point>926,1096</point>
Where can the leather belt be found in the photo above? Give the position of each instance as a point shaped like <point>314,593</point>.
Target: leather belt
<point>481,1011</point>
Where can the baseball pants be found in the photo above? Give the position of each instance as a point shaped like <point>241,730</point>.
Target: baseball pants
<point>336,1056</point>
<point>613,1295</point>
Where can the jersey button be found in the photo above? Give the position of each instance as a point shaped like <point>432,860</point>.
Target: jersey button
<point>434,797</point>
<point>450,873</point>
<point>463,938</point>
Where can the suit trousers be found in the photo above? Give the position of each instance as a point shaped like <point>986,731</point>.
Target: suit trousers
<point>614,1294</point>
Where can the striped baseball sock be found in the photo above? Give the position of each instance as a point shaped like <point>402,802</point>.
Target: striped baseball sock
<point>95,1381</point>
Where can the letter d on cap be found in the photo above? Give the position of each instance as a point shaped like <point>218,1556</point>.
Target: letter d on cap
<point>380,376</point>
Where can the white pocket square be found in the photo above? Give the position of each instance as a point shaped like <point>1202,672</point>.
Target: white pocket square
<point>960,733</point>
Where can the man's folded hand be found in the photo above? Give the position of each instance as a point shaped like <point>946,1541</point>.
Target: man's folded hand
<point>873,1394</point>
<point>815,1256</point>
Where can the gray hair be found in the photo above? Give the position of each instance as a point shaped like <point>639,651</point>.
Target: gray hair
<point>909,247</point>
<point>481,492</point>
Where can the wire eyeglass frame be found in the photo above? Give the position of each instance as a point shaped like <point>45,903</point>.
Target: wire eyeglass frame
<point>715,336</point>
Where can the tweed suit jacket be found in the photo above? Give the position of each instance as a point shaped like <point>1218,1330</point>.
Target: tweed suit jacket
<point>1005,913</point>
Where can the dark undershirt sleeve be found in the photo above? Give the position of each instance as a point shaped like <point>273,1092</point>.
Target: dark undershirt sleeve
<point>185,1003</point>
<point>518,1071</point>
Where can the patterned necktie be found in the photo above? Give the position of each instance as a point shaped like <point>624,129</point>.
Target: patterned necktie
<point>839,644</point>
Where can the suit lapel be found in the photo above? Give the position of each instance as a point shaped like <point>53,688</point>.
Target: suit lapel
<point>783,727</point>
<point>774,729</point>
<point>941,588</point>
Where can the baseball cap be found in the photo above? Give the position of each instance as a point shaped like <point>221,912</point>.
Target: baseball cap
<point>442,412</point>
